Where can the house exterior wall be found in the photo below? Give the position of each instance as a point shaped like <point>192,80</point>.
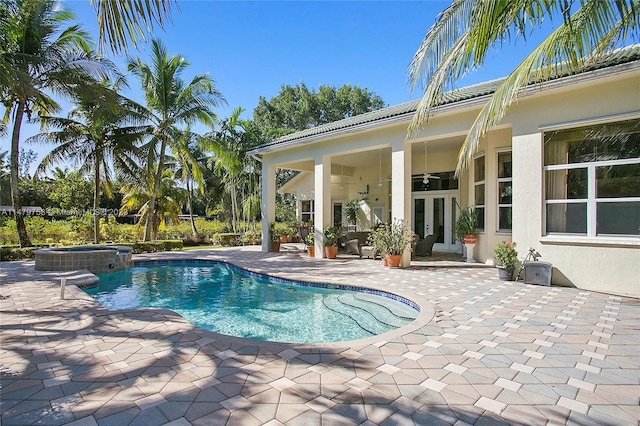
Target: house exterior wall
<point>598,264</point>
<point>609,265</point>
<point>494,142</point>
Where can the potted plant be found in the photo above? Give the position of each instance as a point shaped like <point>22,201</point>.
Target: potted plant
<point>391,241</point>
<point>351,211</point>
<point>331,236</point>
<point>467,225</point>
<point>506,256</point>
<point>310,242</point>
<point>276,230</point>
<point>286,232</point>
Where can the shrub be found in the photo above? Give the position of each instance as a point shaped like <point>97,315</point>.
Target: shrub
<point>16,253</point>
<point>229,239</point>
<point>155,246</point>
<point>391,239</point>
<point>506,254</point>
<point>251,237</point>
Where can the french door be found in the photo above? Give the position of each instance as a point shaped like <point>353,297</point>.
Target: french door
<point>436,213</point>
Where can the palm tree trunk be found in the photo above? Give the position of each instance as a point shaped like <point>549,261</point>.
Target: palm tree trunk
<point>234,205</point>
<point>16,201</point>
<point>96,204</point>
<point>151,215</point>
<point>194,231</point>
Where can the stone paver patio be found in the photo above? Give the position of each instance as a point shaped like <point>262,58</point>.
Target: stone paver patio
<point>482,351</point>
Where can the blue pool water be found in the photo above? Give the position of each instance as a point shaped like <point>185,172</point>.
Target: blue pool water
<point>229,300</point>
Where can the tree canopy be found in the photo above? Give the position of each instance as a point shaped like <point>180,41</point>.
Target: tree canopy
<point>298,108</point>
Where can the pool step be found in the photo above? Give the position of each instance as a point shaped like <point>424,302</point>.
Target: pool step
<point>363,318</point>
<point>371,312</point>
<point>398,308</point>
<point>376,309</point>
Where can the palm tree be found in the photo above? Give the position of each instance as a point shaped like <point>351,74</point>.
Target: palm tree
<point>45,58</point>
<point>171,103</point>
<point>101,135</point>
<point>190,158</point>
<point>229,148</point>
<point>169,200</point>
<point>466,31</point>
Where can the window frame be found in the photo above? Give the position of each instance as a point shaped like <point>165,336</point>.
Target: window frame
<point>591,201</point>
<point>500,180</point>
<point>482,183</point>
<point>311,213</point>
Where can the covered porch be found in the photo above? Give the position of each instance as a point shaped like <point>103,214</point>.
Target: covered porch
<point>412,180</point>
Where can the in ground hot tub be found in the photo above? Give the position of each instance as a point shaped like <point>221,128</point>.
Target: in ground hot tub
<point>97,259</point>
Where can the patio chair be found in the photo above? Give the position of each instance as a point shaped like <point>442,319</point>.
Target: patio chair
<point>425,245</point>
<point>354,242</point>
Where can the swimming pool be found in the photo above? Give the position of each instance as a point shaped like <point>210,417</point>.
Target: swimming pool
<point>223,298</point>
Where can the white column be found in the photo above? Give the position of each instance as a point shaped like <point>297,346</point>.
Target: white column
<point>268,201</point>
<point>401,187</point>
<point>322,190</point>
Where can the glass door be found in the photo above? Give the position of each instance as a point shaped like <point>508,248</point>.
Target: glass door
<point>435,214</point>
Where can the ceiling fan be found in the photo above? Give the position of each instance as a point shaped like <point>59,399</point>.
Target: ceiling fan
<point>380,180</point>
<point>427,176</point>
<point>342,183</point>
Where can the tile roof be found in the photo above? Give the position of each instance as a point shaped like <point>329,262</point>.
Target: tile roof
<point>619,56</point>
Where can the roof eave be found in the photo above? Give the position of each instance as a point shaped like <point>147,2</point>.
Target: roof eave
<point>459,106</point>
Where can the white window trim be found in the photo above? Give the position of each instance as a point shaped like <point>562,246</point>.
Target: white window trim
<point>591,201</point>
<point>311,213</point>
<point>500,180</point>
<point>482,182</point>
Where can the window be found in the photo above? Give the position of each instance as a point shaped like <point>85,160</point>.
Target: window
<point>307,209</point>
<point>441,181</point>
<point>337,214</point>
<point>592,179</point>
<point>505,192</point>
<point>479,184</point>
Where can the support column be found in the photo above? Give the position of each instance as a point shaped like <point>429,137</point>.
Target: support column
<point>401,187</point>
<point>268,206</point>
<point>322,191</point>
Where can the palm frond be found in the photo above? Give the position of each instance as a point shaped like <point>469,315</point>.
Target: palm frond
<point>121,21</point>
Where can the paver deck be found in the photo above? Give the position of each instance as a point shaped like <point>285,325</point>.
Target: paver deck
<point>483,351</point>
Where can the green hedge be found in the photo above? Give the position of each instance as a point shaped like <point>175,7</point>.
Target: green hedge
<point>16,253</point>
<point>155,246</point>
<point>78,231</point>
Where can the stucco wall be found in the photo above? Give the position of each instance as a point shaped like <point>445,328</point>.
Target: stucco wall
<point>594,264</point>
<point>494,142</point>
<point>610,266</point>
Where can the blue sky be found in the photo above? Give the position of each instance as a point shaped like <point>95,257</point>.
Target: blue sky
<point>252,48</point>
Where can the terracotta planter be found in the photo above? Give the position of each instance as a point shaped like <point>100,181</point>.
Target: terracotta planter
<point>311,251</point>
<point>470,238</point>
<point>384,260</point>
<point>331,252</point>
<point>275,246</point>
<point>393,260</point>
